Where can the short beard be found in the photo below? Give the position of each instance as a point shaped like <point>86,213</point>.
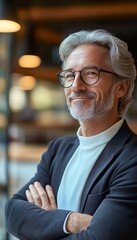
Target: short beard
<point>94,111</point>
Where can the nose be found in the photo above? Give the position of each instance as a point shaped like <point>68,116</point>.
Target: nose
<point>78,84</point>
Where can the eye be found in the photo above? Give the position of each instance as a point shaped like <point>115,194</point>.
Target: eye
<point>68,76</point>
<point>91,72</point>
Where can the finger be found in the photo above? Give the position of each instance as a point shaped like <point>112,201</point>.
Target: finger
<point>29,196</point>
<point>43,196</point>
<point>35,195</point>
<point>51,196</point>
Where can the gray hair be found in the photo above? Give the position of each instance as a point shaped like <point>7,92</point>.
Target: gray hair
<point>121,60</point>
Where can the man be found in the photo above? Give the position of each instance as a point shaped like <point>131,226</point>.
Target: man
<point>86,186</point>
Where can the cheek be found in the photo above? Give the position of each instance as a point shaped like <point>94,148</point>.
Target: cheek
<point>66,92</point>
<point>99,93</point>
<point>102,95</point>
<point>98,89</point>
<point>103,90</point>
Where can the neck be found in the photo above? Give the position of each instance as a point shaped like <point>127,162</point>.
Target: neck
<point>91,127</point>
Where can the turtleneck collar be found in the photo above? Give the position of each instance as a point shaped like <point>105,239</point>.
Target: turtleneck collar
<point>99,139</point>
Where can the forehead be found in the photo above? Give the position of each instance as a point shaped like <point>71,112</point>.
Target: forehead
<point>90,53</point>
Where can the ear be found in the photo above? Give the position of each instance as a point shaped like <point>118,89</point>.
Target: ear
<point>122,88</point>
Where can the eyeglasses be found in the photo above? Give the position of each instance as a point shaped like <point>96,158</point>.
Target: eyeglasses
<point>89,75</point>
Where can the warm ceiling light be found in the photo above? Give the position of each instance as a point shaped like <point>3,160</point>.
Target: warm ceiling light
<point>7,26</point>
<point>27,82</point>
<point>29,61</point>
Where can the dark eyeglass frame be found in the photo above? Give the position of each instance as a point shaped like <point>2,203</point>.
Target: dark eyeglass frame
<point>80,71</point>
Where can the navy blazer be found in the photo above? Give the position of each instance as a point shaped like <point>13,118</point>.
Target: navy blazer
<point>110,194</point>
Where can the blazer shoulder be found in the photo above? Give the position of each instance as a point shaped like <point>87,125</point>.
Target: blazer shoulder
<point>65,140</point>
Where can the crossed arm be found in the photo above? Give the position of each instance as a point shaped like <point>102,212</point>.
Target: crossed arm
<point>44,198</point>
<point>40,218</point>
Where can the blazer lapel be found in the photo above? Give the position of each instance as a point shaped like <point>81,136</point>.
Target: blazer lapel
<point>60,165</point>
<point>105,158</point>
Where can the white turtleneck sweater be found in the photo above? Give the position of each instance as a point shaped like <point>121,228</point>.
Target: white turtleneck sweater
<point>80,165</point>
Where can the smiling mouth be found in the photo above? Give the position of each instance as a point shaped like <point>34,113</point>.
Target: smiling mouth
<point>80,98</point>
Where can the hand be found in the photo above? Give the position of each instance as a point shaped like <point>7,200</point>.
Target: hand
<point>41,197</point>
<point>45,199</point>
<point>77,222</point>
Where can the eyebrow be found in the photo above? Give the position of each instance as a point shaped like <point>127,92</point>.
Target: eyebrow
<point>71,69</point>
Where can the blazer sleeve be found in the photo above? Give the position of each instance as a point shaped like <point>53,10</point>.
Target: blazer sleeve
<point>27,221</point>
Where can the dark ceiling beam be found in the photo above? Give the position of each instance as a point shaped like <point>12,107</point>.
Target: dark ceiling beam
<point>46,35</point>
<point>41,73</point>
<point>77,12</point>
<point>42,34</point>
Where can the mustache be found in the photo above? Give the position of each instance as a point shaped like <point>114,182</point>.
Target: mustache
<point>81,94</point>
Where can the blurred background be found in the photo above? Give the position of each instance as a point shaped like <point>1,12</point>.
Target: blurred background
<point>32,104</point>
